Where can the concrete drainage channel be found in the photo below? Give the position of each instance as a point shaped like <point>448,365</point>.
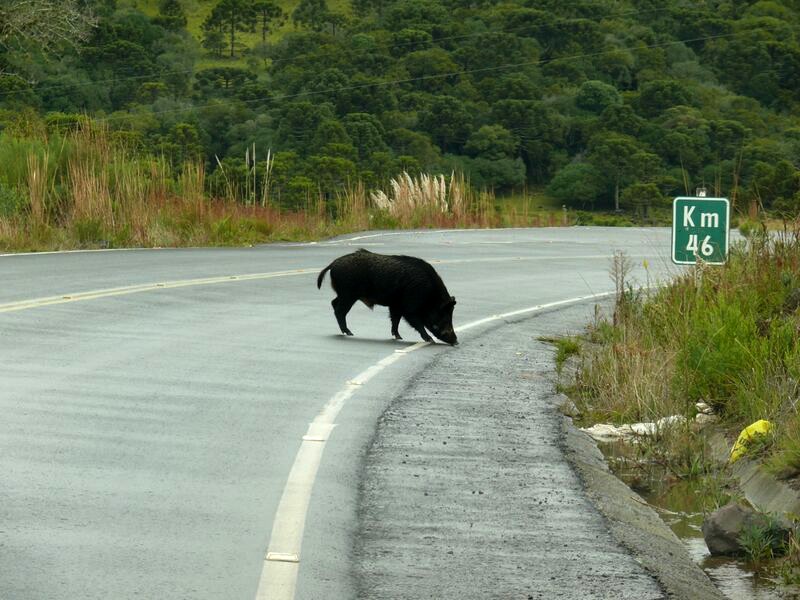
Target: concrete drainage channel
<point>475,486</point>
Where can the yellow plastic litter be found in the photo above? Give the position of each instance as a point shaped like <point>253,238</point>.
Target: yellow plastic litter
<point>760,427</point>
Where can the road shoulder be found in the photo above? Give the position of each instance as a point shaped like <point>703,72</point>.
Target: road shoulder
<point>634,524</point>
<point>467,490</point>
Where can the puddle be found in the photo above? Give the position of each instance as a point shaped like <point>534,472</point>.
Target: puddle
<point>680,505</point>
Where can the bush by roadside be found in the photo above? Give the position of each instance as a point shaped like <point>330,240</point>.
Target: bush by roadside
<point>723,336</point>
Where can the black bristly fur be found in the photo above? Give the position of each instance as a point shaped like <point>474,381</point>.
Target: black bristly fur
<point>409,286</point>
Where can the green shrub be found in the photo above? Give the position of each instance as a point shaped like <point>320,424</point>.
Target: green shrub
<point>89,232</point>
<point>11,201</point>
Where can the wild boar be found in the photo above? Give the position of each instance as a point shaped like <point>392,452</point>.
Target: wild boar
<point>409,286</point>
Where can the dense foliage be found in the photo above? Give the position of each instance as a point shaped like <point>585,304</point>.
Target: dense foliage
<point>600,102</point>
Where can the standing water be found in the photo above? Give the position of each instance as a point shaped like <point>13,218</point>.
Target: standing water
<point>680,505</point>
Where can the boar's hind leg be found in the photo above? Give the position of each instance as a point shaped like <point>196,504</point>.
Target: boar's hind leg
<point>417,324</point>
<point>395,315</point>
<point>340,308</point>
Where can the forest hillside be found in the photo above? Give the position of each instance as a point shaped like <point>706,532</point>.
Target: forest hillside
<point>597,103</point>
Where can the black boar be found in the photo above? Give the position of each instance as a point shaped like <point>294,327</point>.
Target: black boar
<point>409,286</point>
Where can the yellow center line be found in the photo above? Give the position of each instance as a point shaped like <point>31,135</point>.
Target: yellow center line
<point>147,287</point>
<point>181,283</point>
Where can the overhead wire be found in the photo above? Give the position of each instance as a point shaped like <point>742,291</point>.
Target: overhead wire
<point>303,57</point>
<point>310,93</point>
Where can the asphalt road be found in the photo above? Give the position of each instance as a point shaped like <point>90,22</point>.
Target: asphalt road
<point>153,407</point>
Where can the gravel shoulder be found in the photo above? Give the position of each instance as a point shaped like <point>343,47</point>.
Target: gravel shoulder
<point>476,486</point>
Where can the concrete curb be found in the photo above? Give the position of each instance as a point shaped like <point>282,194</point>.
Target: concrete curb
<point>764,491</point>
<point>633,523</point>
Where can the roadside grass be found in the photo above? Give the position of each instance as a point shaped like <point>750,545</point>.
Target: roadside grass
<point>565,348</point>
<point>764,541</point>
<point>85,188</point>
<point>726,336</point>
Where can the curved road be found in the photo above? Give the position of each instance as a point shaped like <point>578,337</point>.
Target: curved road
<point>154,403</point>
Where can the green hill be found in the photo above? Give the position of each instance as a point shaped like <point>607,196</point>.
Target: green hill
<point>600,103</point>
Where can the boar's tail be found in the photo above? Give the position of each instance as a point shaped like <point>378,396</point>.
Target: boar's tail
<point>322,276</point>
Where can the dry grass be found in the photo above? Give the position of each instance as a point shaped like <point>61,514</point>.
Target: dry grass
<point>84,189</point>
<point>435,199</point>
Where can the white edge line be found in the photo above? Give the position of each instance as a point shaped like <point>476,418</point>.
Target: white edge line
<point>278,579</point>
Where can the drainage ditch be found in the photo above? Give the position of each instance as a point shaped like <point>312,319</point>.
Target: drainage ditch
<point>680,504</point>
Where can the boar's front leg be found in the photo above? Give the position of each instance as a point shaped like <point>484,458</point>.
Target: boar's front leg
<point>341,307</point>
<point>417,324</point>
<point>395,315</point>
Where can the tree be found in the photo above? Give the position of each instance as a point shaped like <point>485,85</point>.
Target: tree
<point>641,197</point>
<point>492,142</point>
<point>171,15</point>
<point>214,40</point>
<point>298,123</point>
<point>221,81</point>
<point>231,16</point>
<point>657,96</point>
<point>423,15</point>
<point>621,118</point>
<point>366,132</point>
<point>613,154</point>
<point>406,41</point>
<point>431,69</point>
<point>181,144</point>
<point>362,8</point>
<point>336,21</point>
<point>122,63</point>
<point>332,172</point>
<point>267,11</point>
<point>539,130</point>
<point>44,24</point>
<point>449,122</point>
<point>579,185</point>
<point>407,143</point>
<point>312,14</point>
<point>596,96</point>
<point>496,174</point>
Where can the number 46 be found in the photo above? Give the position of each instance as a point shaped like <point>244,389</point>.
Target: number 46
<point>706,249</point>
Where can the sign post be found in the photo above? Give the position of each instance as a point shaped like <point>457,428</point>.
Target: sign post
<point>700,229</point>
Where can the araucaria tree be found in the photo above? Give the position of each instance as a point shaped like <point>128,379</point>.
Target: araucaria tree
<point>266,11</point>
<point>311,13</point>
<point>230,16</point>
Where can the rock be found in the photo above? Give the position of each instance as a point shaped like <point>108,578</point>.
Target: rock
<point>703,408</point>
<point>723,527</point>
<point>703,419</point>
<point>568,408</point>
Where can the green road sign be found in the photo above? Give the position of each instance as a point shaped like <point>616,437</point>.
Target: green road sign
<point>700,230</point>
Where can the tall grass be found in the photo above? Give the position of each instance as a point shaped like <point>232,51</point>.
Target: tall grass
<point>85,188</point>
<point>727,336</point>
<point>434,199</point>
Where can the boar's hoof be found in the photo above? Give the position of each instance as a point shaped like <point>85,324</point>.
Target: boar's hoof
<point>347,332</point>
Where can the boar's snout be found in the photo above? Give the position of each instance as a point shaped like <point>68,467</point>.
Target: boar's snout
<point>448,336</point>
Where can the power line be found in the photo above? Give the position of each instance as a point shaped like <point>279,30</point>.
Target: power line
<point>431,77</point>
<point>304,57</point>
